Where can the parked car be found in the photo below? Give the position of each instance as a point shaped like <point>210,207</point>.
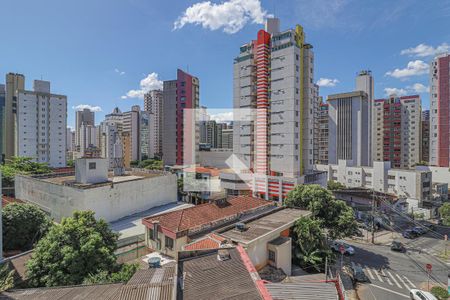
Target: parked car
<point>430,226</point>
<point>409,234</point>
<point>418,230</point>
<point>348,250</point>
<point>397,246</point>
<point>421,295</point>
<point>358,274</point>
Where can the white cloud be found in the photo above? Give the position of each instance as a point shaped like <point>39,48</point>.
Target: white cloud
<point>327,82</point>
<point>119,72</point>
<point>423,50</point>
<point>396,91</point>
<point>418,88</point>
<point>83,106</point>
<point>151,82</point>
<point>230,15</point>
<point>223,117</point>
<point>414,68</point>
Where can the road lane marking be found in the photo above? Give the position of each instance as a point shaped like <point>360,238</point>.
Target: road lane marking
<point>403,281</point>
<point>394,280</point>
<point>388,290</point>
<point>370,274</point>
<point>387,278</point>
<point>409,281</point>
<point>378,276</point>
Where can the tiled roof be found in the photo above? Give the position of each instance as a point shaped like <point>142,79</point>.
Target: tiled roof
<point>7,200</point>
<point>211,171</point>
<point>205,277</point>
<point>203,214</point>
<point>210,241</point>
<point>303,291</point>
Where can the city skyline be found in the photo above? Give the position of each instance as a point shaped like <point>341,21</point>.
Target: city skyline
<point>97,68</point>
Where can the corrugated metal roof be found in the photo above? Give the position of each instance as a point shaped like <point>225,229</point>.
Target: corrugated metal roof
<point>303,291</point>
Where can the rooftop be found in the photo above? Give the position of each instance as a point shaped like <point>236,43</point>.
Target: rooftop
<point>68,179</point>
<point>346,95</point>
<point>155,283</point>
<point>204,170</point>
<point>303,291</point>
<point>210,241</point>
<point>265,225</point>
<point>204,276</point>
<point>200,215</point>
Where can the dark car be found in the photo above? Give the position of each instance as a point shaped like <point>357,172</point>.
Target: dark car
<point>430,226</point>
<point>409,234</point>
<point>358,274</point>
<point>397,246</point>
<point>418,230</point>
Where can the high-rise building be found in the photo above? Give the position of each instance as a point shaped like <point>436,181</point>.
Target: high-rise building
<point>111,130</point>
<point>2,120</point>
<point>70,140</point>
<point>364,82</point>
<point>146,135</point>
<point>348,129</point>
<point>323,134</point>
<point>14,83</point>
<point>82,117</point>
<point>179,94</point>
<point>274,75</point>
<point>153,103</point>
<point>131,124</point>
<point>397,128</point>
<point>87,138</point>
<point>440,111</point>
<point>41,125</point>
<point>227,138</point>
<point>316,111</point>
<point>425,127</point>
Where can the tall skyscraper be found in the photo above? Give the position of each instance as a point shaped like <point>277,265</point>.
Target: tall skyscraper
<point>440,111</point>
<point>274,75</point>
<point>2,120</point>
<point>364,82</point>
<point>131,124</point>
<point>153,103</point>
<point>42,124</point>
<point>348,129</point>
<point>425,127</point>
<point>323,134</point>
<point>70,140</point>
<point>397,128</point>
<point>146,135</point>
<point>179,94</point>
<point>88,138</point>
<point>82,117</point>
<point>14,83</point>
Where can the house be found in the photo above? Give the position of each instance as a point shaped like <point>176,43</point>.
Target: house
<point>169,232</point>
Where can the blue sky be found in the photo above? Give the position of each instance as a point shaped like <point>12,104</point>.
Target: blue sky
<point>98,52</point>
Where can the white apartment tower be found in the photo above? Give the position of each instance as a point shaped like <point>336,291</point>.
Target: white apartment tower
<point>83,117</point>
<point>364,82</point>
<point>41,125</point>
<point>153,103</point>
<point>131,125</point>
<point>348,129</point>
<point>274,75</point>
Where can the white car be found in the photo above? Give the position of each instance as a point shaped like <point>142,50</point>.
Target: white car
<point>421,295</point>
<point>348,250</point>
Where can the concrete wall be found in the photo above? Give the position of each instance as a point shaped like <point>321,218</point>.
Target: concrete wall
<point>111,201</point>
<point>440,174</point>
<point>215,159</point>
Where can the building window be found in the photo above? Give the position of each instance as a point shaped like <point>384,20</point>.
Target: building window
<point>272,256</point>
<point>169,243</point>
<point>150,234</point>
<point>92,166</point>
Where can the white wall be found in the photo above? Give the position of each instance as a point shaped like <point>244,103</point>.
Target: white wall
<point>109,201</point>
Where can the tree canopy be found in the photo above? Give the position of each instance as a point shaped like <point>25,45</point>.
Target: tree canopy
<point>21,165</point>
<point>444,211</point>
<point>335,215</point>
<point>23,225</point>
<point>334,185</point>
<point>72,251</point>
<point>311,247</point>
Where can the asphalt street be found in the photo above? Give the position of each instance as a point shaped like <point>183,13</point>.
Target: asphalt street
<point>393,274</point>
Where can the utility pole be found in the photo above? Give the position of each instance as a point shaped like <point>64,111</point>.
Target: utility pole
<point>373,216</point>
<point>326,268</point>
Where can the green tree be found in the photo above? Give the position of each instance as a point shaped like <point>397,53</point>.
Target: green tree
<point>123,274</point>
<point>334,185</point>
<point>444,211</point>
<point>21,165</point>
<point>335,215</point>
<point>79,246</point>
<point>71,163</point>
<point>310,245</point>
<point>6,278</point>
<point>23,225</point>
<point>439,292</point>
